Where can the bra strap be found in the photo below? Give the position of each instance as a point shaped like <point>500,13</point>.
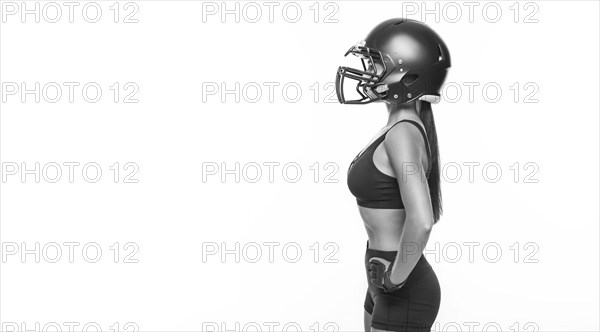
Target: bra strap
<point>422,133</point>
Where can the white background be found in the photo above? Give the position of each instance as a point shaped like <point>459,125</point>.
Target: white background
<point>171,215</point>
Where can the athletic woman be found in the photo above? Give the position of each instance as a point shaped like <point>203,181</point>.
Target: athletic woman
<point>396,178</point>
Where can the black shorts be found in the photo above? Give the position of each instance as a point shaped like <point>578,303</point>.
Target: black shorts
<point>413,307</point>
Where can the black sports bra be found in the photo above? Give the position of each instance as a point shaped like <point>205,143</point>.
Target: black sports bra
<point>373,188</point>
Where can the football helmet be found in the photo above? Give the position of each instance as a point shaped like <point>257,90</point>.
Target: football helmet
<point>402,60</point>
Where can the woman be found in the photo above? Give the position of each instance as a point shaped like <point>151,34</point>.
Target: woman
<point>396,178</point>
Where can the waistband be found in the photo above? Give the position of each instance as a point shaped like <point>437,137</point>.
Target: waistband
<point>422,263</point>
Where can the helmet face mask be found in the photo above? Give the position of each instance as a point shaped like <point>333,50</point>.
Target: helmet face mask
<point>369,85</point>
<point>405,61</point>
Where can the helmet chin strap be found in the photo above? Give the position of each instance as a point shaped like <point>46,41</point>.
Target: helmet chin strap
<point>428,98</point>
<point>382,88</point>
<point>431,99</point>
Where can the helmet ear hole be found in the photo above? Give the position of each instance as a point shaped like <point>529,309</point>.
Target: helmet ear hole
<point>409,79</point>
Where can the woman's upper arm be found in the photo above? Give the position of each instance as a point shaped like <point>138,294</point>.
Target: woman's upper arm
<point>405,147</point>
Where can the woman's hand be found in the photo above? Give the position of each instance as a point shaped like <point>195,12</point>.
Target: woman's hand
<point>379,271</point>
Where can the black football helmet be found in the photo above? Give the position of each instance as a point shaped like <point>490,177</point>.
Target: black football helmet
<point>402,59</point>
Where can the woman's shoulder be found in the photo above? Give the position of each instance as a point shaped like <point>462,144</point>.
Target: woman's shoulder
<point>406,135</point>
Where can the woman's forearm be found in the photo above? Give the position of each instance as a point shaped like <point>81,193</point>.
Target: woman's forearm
<point>412,243</point>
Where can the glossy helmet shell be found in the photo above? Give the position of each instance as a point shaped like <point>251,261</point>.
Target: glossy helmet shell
<point>405,60</point>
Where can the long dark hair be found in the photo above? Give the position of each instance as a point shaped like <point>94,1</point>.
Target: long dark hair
<point>434,173</point>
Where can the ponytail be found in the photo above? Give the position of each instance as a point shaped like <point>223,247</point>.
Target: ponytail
<point>434,171</point>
